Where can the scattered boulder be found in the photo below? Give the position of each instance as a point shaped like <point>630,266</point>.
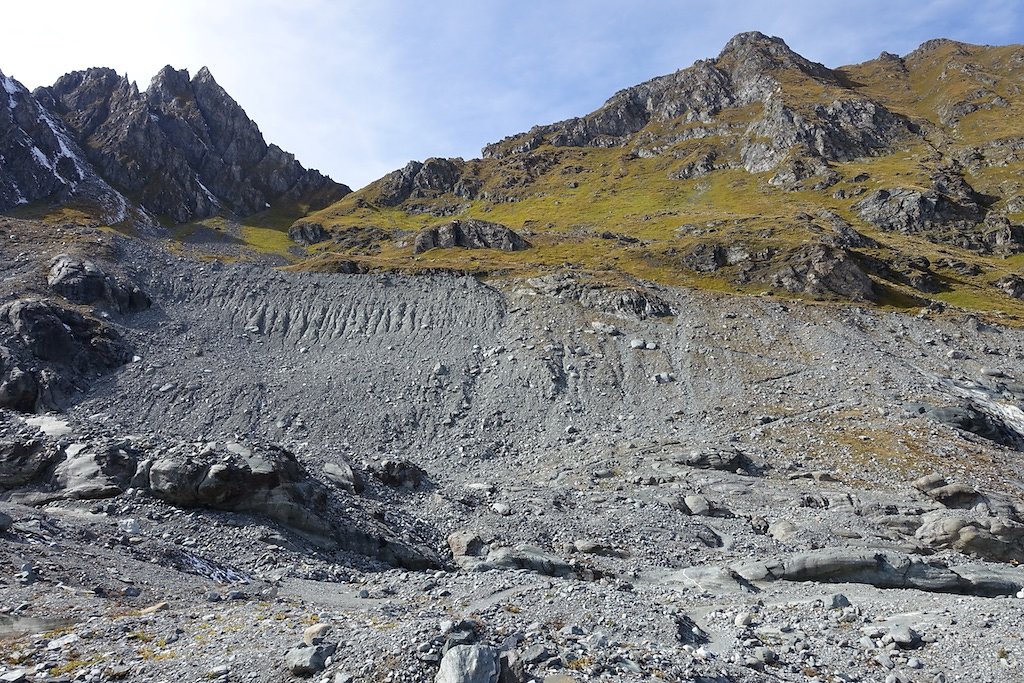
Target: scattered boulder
<point>937,488</point>
<point>523,557</point>
<point>968,418</point>
<point>469,664</point>
<point>992,537</point>
<point>469,234</point>
<point>23,462</point>
<point>466,543</point>
<point>725,458</point>
<point>884,569</point>
<point>308,660</point>
<point>342,474</point>
<point>1011,285</point>
<point>399,473</point>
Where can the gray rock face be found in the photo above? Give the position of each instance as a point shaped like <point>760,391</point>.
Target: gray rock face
<point>469,234</point>
<point>45,350</point>
<point>822,270</point>
<point>267,481</point>
<point>342,474</point>
<point>469,664</point>
<point>522,557</point>
<point>22,462</point>
<point>83,282</point>
<point>636,302</point>
<point>1011,285</point>
<point>184,147</point>
<point>714,458</point>
<point>950,206</point>
<point>399,474</point>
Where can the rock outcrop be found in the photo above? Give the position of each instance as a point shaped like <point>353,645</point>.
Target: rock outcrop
<point>469,234</point>
<point>266,480</point>
<point>821,270</point>
<point>307,233</point>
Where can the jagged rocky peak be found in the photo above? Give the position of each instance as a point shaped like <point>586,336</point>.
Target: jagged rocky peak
<point>753,52</point>
<point>184,147</point>
<point>40,157</point>
<point>747,71</point>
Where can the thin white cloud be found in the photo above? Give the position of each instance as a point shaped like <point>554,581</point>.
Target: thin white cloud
<point>357,89</point>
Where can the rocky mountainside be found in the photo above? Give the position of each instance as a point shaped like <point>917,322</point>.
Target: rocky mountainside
<point>555,464</point>
<point>181,151</point>
<point>893,182</point>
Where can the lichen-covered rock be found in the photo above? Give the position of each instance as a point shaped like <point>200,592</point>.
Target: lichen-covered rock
<point>1011,285</point>
<point>427,179</point>
<point>307,233</point>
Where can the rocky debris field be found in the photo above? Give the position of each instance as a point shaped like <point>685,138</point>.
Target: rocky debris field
<point>390,478</point>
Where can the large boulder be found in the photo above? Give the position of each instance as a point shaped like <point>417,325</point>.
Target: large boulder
<point>24,461</point>
<point>469,664</point>
<point>83,282</point>
<point>48,353</point>
<point>884,569</point>
<point>469,234</point>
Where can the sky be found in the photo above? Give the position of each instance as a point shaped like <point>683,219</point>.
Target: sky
<point>357,89</point>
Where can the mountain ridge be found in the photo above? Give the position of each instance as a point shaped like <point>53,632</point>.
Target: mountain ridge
<point>181,150</point>
<point>762,149</point>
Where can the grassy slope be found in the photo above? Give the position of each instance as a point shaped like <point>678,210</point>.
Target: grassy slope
<point>563,211</point>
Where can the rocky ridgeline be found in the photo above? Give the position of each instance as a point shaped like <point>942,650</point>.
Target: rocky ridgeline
<point>760,108</point>
<point>183,149</point>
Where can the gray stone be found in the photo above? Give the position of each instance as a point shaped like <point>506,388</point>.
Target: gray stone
<point>343,475</point>
<point>308,660</point>
<point>469,664</point>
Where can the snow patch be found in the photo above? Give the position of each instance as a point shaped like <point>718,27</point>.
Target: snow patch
<point>209,195</point>
<point>12,89</point>
<point>65,147</point>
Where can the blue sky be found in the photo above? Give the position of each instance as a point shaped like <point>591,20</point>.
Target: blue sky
<point>357,89</point>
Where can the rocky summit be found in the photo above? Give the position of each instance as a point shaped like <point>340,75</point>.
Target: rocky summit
<point>720,383</point>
